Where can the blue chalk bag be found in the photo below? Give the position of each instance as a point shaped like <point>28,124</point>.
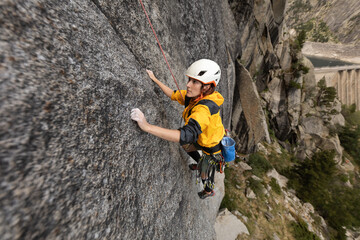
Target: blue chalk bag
<point>228,149</point>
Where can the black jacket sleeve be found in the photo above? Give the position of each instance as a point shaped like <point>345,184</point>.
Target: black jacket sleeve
<point>190,132</point>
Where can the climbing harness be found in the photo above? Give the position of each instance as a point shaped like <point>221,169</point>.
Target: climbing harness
<point>216,163</point>
<point>147,16</point>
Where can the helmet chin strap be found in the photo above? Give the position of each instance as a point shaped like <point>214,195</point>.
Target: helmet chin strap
<point>199,97</point>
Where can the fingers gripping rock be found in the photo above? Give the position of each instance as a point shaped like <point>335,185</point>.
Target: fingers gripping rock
<point>136,114</point>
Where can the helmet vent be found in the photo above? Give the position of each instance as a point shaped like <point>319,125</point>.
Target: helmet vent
<point>217,72</point>
<point>202,73</point>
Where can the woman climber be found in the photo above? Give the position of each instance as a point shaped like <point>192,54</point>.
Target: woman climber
<point>203,129</point>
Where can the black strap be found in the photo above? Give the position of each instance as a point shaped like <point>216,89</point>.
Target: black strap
<point>213,149</point>
<point>212,176</point>
<point>211,172</point>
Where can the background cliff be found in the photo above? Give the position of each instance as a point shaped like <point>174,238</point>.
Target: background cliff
<point>326,21</point>
<point>73,164</point>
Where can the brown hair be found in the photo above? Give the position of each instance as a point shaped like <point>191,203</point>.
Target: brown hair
<point>205,93</point>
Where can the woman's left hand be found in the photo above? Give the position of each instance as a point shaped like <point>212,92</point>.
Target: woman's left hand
<point>138,116</point>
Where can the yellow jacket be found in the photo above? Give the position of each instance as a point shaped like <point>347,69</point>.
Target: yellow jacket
<point>203,123</point>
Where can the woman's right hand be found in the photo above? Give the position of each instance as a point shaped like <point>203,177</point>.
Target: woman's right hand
<point>168,91</point>
<point>151,75</point>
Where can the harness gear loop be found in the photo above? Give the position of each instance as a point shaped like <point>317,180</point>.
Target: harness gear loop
<point>147,16</point>
<point>215,165</point>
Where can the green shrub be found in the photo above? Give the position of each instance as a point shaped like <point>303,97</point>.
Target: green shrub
<point>334,112</point>
<point>321,32</point>
<point>272,133</point>
<point>294,84</point>
<point>315,181</point>
<point>301,6</point>
<point>301,232</point>
<point>257,187</point>
<point>229,183</point>
<point>352,116</point>
<point>259,164</point>
<point>333,131</point>
<point>307,27</point>
<point>275,186</point>
<point>297,67</point>
<point>344,178</point>
<point>300,39</point>
<point>326,95</point>
<point>349,135</point>
<point>281,161</point>
<point>310,177</point>
<point>304,69</point>
<point>228,203</point>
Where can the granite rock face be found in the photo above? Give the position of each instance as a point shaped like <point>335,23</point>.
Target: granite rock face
<point>73,164</point>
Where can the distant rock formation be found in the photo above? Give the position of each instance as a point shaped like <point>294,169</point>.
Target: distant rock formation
<point>341,17</point>
<point>345,52</point>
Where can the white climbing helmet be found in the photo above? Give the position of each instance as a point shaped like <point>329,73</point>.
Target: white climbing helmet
<point>205,71</point>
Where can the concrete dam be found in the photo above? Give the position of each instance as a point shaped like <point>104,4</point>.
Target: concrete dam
<point>345,79</point>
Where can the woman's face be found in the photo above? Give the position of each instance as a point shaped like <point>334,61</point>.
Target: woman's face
<point>193,88</point>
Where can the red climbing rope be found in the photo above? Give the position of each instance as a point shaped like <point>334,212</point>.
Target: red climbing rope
<point>161,49</point>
